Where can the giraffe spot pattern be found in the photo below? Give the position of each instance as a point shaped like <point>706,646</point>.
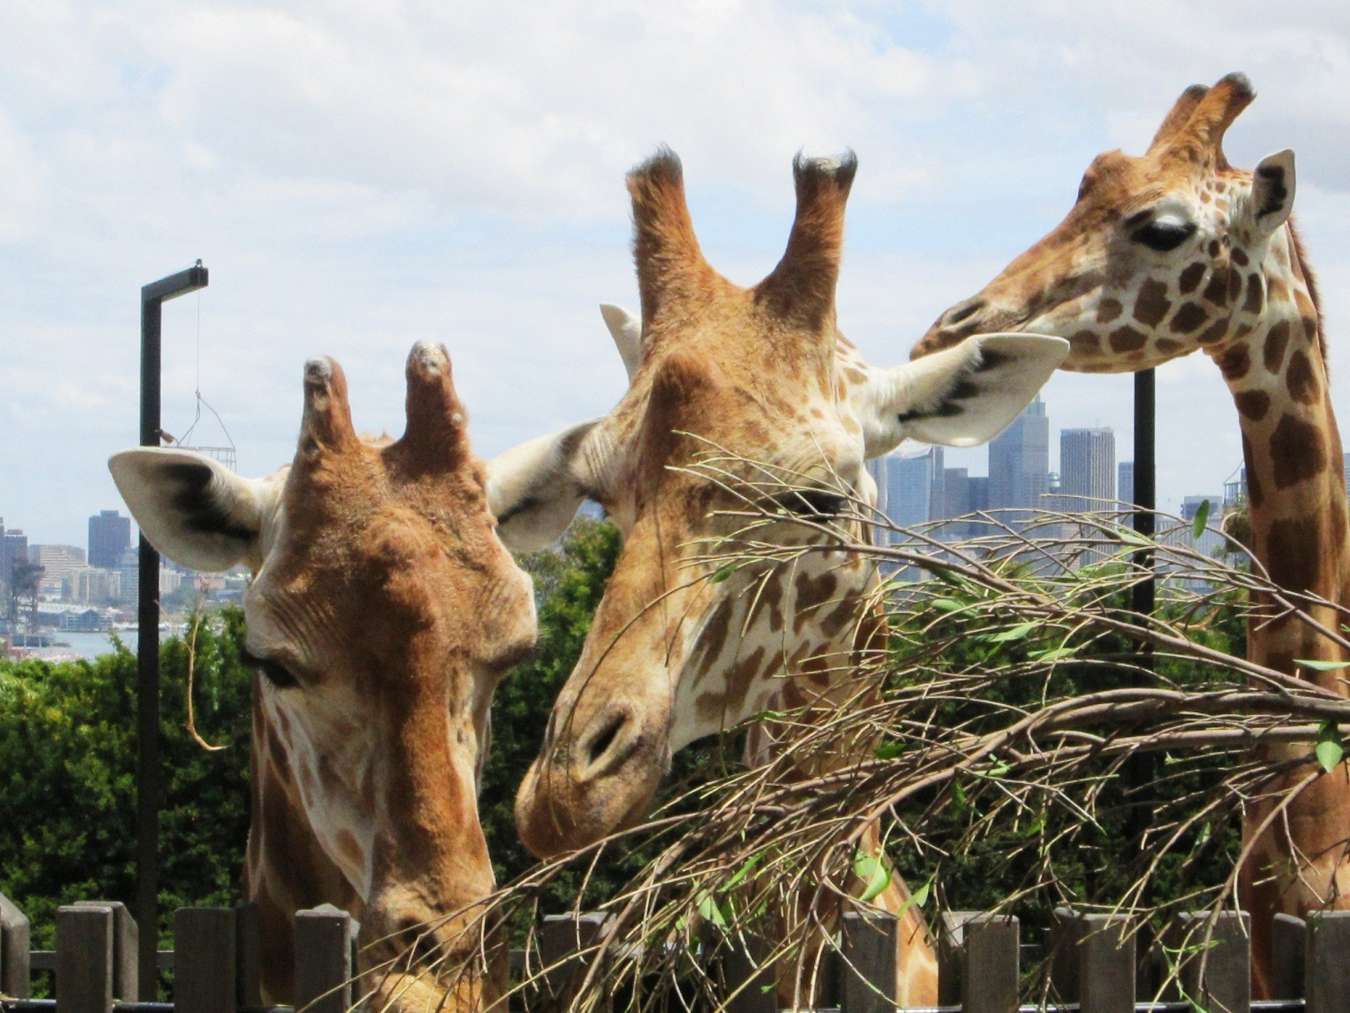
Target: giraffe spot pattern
<point>1108,310</point>
<point>1294,551</point>
<point>1152,304</point>
<point>1256,294</point>
<point>855,375</point>
<point>1217,289</point>
<point>1188,318</point>
<point>1253,404</point>
<point>1235,362</point>
<point>1127,339</point>
<point>1213,333</point>
<point>1213,247</point>
<point>1277,338</point>
<point>1297,452</point>
<point>1255,490</point>
<point>1299,378</point>
<point>1086,343</point>
<point>1167,346</point>
<point>1190,278</point>
<point>1239,256</point>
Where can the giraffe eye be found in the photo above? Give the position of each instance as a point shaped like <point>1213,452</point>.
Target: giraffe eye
<point>1163,236</point>
<point>812,503</point>
<point>273,671</point>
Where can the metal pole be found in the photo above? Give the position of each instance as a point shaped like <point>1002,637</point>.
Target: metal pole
<point>148,790</point>
<point>1142,768</point>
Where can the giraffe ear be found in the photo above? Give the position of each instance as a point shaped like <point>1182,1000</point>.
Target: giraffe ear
<point>535,489</point>
<point>192,508</point>
<point>962,396</point>
<point>1272,191</point>
<point>626,330</point>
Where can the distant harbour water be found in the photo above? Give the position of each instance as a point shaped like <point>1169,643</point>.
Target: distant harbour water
<point>91,645</point>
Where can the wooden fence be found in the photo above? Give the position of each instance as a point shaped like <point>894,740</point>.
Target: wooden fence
<point>1093,962</point>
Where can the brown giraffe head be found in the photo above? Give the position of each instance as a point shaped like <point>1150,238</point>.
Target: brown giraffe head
<point>383,610</point>
<point>1160,255</point>
<point>763,373</point>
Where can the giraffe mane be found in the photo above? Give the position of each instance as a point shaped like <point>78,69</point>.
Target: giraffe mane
<point>1301,257</point>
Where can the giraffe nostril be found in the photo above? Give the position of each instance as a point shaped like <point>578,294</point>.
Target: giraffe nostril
<point>609,745</point>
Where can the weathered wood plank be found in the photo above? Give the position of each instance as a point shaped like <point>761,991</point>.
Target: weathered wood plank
<point>248,955</point>
<point>951,956</point>
<point>749,965</point>
<point>989,978</point>
<point>205,945</point>
<point>126,943</point>
<point>1289,944</point>
<point>1065,934</point>
<point>1218,976</point>
<point>867,943</point>
<point>84,959</point>
<point>1106,972</point>
<point>15,972</point>
<point>1328,962</point>
<point>323,960</point>
<point>563,944</point>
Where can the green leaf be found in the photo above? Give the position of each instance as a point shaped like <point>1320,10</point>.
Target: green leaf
<point>721,575</point>
<point>873,871</point>
<point>1201,519</point>
<point>1329,749</point>
<point>1321,666</point>
<point>710,910</point>
<point>1018,632</point>
<point>1053,654</point>
<point>744,871</point>
<point>889,750</point>
<point>947,604</point>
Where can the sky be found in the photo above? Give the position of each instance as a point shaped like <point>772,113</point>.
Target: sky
<point>358,177</point>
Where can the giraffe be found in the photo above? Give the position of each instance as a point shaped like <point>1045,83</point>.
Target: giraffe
<point>382,612</point>
<point>764,372</point>
<point>1176,251</point>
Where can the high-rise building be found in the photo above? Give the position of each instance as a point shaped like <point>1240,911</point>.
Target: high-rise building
<point>876,467</point>
<point>1345,467</point>
<point>59,565</point>
<point>109,537</point>
<point>1019,460</point>
<point>1125,481</point>
<point>129,571</point>
<point>912,487</point>
<point>1087,469</point>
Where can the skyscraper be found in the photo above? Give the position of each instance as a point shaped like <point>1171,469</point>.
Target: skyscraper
<point>1019,460</point>
<point>109,537</point>
<point>876,467</point>
<point>912,485</point>
<point>1125,481</point>
<point>1087,468</point>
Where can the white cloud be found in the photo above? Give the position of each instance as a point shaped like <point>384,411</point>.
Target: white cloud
<point>361,176</point>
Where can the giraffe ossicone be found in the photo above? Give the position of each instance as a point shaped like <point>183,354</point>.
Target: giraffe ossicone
<point>1175,251</point>
<point>382,612</point>
<point>763,373</point>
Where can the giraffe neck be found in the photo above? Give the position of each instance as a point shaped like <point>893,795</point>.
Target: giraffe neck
<point>1291,446</point>
<point>286,869</point>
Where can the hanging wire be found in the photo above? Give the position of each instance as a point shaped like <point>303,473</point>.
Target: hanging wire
<point>197,392</point>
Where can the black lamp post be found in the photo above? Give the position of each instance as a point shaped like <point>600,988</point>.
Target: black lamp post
<point>148,781</point>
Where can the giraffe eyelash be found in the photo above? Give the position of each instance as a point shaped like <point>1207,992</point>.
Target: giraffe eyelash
<point>1163,236</point>
<point>273,671</point>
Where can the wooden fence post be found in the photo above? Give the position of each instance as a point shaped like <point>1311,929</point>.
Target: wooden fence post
<point>1093,961</point>
<point>248,954</point>
<point>323,960</point>
<point>204,960</point>
<point>126,943</point>
<point>868,946</point>
<point>951,956</point>
<point>564,941</point>
<point>750,967</point>
<point>989,979</point>
<point>1218,977</point>
<point>84,959</point>
<point>15,975</point>
<point>1288,948</point>
<point>1328,966</point>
